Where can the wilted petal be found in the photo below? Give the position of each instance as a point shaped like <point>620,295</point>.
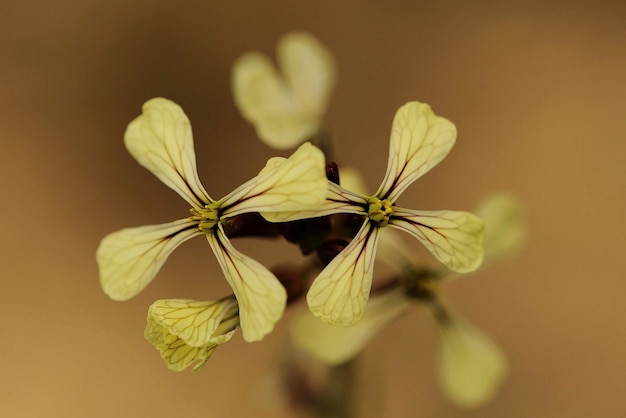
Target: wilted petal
<point>130,258</point>
<point>195,322</point>
<point>340,292</point>
<point>455,238</point>
<point>470,365</point>
<point>419,141</point>
<point>297,183</point>
<point>289,110</point>
<point>333,344</point>
<point>505,231</point>
<point>261,297</point>
<point>160,139</point>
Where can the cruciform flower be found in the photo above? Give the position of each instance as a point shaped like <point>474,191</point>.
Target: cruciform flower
<point>160,139</point>
<point>419,141</point>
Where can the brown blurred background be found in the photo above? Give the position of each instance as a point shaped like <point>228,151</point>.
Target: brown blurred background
<point>536,89</point>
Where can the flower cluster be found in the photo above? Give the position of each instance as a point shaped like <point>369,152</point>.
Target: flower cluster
<point>305,200</point>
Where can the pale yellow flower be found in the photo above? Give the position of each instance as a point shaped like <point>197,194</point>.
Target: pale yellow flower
<point>161,141</point>
<point>188,331</point>
<point>419,141</point>
<point>286,108</point>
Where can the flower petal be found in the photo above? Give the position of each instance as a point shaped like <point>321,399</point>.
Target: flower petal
<point>470,365</point>
<point>335,345</point>
<point>394,252</point>
<point>351,179</point>
<point>419,141</point>
<point>195,322</point>
<point>339,293</point>
<point>160,139</point>
<point>130,258</point>
<point>297,183</point>
<point>505,229</point>
<point>309,69</point>
<point>285,111</point>
<point>338,200</point>
<point>261,297</point>
<point>177,354</point>
<point>455,238</point>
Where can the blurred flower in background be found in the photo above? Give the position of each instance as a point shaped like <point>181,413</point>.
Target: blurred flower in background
<point>286,106</point>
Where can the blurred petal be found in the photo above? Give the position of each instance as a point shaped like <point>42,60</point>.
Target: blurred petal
<point>470,365</point>
<point>195,322</point>
<point>393,251</point>
<point>285,111</point>
<point>130,258</point>
<point>419,141</point>
<point>294,184</point>
<point>261,297</point>
<point>455,238</point>
<point>160,139</point>
<point>505,230</point>
<point>309,69</point>
<point>333,344</point>
<point>351,179</point>
<point>339,293</point>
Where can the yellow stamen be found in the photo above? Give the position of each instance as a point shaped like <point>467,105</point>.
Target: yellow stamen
<point>206,217</point>
<point>379,211</point>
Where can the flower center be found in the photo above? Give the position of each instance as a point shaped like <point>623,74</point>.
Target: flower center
<point>379,211</point>
<point>206,217</point>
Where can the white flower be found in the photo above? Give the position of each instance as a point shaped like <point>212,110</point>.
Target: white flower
<point>161,140</point>
<point>286,109</point>
<point>419,141</point>
<point>188,331</point>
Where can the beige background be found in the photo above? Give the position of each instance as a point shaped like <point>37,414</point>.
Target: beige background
<point>538,93</point>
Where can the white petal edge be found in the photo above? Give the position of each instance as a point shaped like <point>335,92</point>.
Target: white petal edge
<point>297,183</point>
<point>470,366</point>
<point>160,139</point>
<point>129,259</point>
<point>454,238</point>
<point>332,344</point>
<point>340,292</point>
<point>261,297</point>
<point>419,141</point>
